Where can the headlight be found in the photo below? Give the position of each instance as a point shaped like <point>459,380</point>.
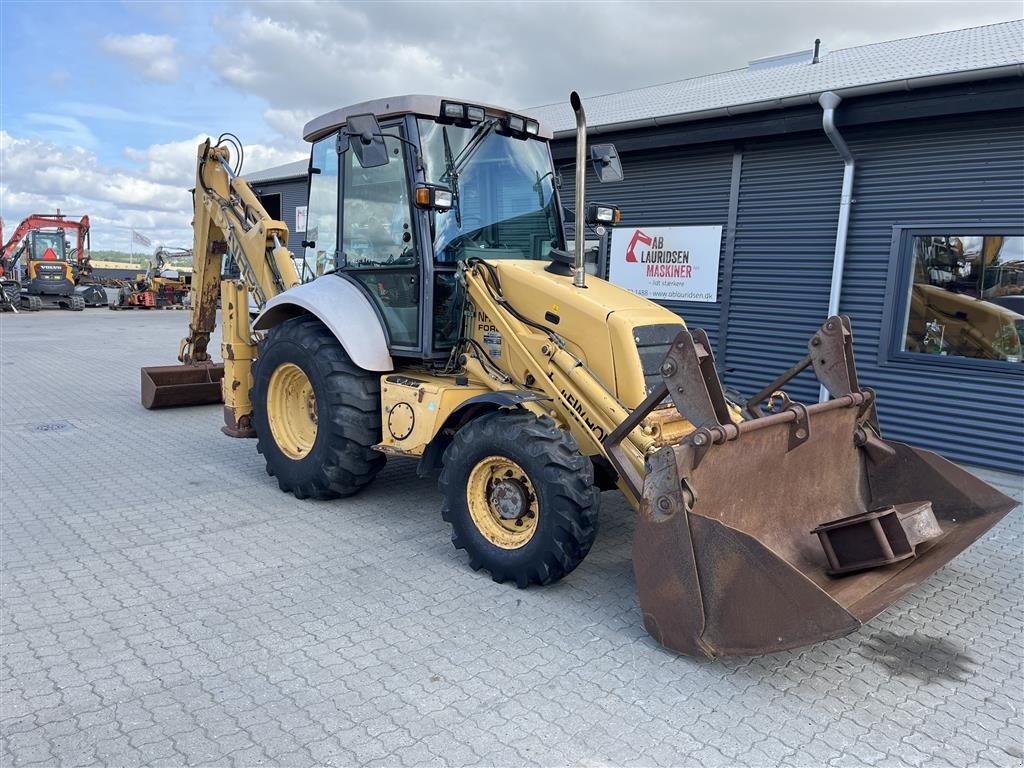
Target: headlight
<point>598,213</point>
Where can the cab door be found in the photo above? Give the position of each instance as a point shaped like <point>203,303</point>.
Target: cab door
<point>320,248</point>
<point>378,247</point>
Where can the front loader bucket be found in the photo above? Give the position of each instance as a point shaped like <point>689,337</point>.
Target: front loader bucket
<point>795,527</point>
<point>168,386</point>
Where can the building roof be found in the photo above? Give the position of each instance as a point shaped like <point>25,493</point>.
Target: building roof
<point>294,170</point>
<point>978,53</point>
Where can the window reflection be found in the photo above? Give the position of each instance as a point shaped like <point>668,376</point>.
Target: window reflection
<point>378,248</point>
<point>967,297</point>
<point>322,212</point>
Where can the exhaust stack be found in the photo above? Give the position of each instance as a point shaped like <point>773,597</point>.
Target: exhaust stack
<point>579,272</point>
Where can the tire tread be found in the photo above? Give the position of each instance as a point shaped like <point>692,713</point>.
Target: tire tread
<point>353,405</point>
<point>567,474</point>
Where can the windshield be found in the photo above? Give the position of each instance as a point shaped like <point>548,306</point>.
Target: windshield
<point>52,240</point>
<point>505,207</point>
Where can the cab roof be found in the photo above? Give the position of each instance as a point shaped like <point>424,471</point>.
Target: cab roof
<point>393,106</point>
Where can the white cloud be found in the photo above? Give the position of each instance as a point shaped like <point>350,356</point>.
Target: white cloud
<point>314,57</point>
<point>288,122</point>
<point>154,55</point>
<point>175,162</point>
<point>61,129</point>
<point>39,176</point>
<point>295,57</point>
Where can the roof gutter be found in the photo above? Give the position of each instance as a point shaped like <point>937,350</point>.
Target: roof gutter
<point>873,89</point>
<point>829,101</point>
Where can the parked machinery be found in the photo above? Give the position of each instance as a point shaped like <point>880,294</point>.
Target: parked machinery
<point>457,330</point>
<point>162,284</point>
<point>39,266</point>
<point>87,285</point>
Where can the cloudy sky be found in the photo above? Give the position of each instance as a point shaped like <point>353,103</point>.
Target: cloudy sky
<point>102,104</point>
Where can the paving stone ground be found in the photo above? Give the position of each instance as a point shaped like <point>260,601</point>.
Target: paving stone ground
<point>165,604</point>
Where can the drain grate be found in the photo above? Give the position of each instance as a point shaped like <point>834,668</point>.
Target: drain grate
<point>61,425</point>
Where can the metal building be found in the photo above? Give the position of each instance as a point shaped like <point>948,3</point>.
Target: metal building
<point>929,261</point>
<point>284,190</point>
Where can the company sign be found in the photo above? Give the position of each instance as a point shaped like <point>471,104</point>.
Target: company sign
<point>667,263</point>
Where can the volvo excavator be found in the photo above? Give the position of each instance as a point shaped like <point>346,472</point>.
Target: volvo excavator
<point>38,267</point>
<point>457,329</point>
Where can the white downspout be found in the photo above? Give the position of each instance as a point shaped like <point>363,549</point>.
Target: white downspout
<point>829,101</point>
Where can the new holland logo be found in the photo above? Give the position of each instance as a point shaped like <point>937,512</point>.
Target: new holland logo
<point>659,261</point>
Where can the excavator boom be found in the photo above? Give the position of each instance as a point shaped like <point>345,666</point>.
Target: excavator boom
<point>229,222</point>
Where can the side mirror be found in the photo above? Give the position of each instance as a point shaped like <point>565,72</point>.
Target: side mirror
<point>606,161</point>
<point>433,197</point>
<point>363,132</point>
<point>598,213</point>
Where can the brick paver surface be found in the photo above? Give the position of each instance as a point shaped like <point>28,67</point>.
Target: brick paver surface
<point>164,603</point>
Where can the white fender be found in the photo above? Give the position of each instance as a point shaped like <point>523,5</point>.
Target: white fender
<point>344,309</point>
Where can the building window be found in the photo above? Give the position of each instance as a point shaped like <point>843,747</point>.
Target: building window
<point>965,297</point>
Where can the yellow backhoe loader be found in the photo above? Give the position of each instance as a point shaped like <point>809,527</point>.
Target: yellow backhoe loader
<point>455,328</point>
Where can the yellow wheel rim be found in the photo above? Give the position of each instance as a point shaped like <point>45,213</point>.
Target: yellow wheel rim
<point>291,411</point>
<point>502,502</point>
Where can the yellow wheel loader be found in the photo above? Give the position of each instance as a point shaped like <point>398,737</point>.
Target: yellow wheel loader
<point>456,329</point>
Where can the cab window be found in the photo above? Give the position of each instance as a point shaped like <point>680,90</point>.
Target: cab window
<point>378,248</point>
<point>322,212</point>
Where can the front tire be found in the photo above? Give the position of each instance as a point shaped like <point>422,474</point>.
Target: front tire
<point>520,498</point>
<point>316,414</point>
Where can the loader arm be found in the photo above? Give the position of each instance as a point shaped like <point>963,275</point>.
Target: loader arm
<point>577,397</point>
<point>228,220</point>
<point>790,527</point>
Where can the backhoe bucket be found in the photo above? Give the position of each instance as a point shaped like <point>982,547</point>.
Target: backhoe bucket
<point>794,527</point>
<point>168,386</point>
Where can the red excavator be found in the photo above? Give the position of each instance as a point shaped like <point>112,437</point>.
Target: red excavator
<point>38,268</point>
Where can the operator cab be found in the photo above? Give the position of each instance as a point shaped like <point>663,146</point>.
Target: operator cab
<point>47,245</point>
<point>401,190</point>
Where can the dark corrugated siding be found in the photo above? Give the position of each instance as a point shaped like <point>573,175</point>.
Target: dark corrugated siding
<point>782,265</point>
<point>960,170</point>
<point>672,188</point>
<point>966,169</point>
<point>294,193</point>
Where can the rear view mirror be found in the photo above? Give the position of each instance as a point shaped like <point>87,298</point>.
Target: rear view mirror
<point>365,140</point>
<point>606,162</point>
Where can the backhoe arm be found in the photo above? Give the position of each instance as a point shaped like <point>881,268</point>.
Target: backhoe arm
<point>229,219</point>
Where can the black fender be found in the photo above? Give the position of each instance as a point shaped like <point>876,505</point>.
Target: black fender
<point>474,407</point>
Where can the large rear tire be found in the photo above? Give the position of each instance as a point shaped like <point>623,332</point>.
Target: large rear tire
<point>520,498</point>
<point>316,414</point>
